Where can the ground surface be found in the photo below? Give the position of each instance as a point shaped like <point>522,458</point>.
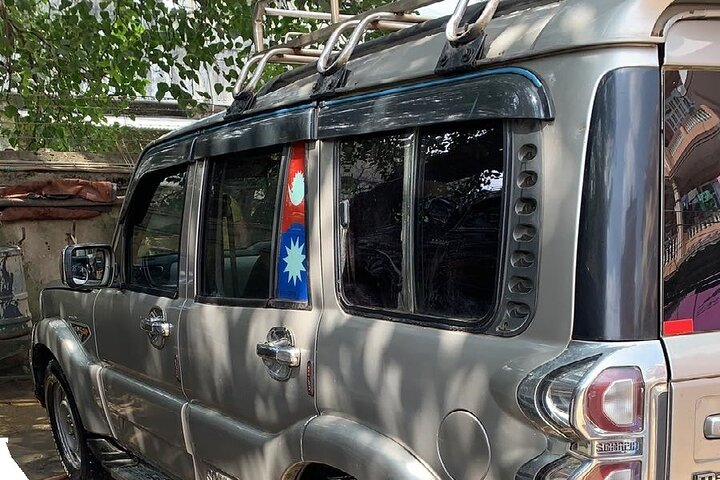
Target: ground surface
<point>24,422</point>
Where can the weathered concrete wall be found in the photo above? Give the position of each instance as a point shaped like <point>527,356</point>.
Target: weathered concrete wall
<point>45,239</point>
<point>43,242</point>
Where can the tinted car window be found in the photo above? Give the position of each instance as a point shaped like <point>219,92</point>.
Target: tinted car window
<point>691,257</point>
<point>371,192</point>
<point>237,228</point>
<point>433,251</point>
<point>154,228</point>
<point>458,220</point>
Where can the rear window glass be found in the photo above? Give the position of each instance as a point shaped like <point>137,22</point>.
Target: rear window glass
<point>371,186</point>
<point>691,255</point>
<point>421,218</point>
<point>458,221</point>
<point>237,231</point>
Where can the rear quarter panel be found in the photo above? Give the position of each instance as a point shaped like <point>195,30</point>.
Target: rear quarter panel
<point>402,380</point>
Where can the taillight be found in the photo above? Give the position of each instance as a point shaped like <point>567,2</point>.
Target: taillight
<point>569,467</point>
<point>614,400</point>
<point>601,413</point>
<point>615,471</point>
<point>558,393</point>
<point>602,402</point>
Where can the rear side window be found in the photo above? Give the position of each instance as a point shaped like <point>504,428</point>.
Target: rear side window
<point>154,227</point>
<point>237,235</point>
<point>371,191</point>
<point>421,215</point>
<point>459,200</point>
<point>691,256</point>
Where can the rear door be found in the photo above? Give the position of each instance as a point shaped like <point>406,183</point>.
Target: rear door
<point>691,254</point>
<point>248,335</point>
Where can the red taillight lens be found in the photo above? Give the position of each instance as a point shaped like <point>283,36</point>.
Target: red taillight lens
<point>614,401</point>
<point>616,471</point>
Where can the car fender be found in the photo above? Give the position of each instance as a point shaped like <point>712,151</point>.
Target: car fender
<point>81,369</point>
<point>360,451</point>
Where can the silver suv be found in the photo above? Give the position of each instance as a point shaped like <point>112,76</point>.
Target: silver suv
<point>485,251</point>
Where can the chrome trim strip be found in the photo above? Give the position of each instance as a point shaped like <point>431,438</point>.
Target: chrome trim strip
<point>103,399</point>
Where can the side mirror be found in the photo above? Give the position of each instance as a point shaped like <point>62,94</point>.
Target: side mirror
<point>87,266</point>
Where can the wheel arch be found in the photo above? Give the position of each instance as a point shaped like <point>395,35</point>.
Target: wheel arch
<point>40,358</point>
<point>54,339</point>
<point>360,451</point>
<point>315,471</point>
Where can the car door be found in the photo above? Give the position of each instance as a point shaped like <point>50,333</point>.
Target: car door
<point>691,241</point>
<point>248,335</point>
<point>137,320</point>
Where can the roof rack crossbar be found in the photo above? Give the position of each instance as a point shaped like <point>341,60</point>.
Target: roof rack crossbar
<point>400,7</point>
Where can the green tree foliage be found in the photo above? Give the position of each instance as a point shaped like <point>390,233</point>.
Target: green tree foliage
<point>65,64</point>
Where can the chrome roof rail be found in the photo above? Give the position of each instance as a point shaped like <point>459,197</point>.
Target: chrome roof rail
<point>359,27</point>
<point>303,48</point>
<point>391,17</point>
<point>261,59</point>
<point>455,33</point>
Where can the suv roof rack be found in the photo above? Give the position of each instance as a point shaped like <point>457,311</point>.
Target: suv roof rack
<point>297,50</point>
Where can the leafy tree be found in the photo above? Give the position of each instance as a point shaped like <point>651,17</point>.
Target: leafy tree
<point>65,64</point>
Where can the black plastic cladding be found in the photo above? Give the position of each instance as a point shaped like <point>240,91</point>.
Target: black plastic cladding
<point>617,277</point>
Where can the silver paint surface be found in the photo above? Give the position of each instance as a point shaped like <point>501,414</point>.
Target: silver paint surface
<point>463,446</point>
<point>382,388</point>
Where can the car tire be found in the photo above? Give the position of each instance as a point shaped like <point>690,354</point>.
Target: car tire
<point>68,432</point>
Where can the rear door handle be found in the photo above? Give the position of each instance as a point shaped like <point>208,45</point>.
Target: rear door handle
<point>712,427</point>
<point>279,353</point>
<point>285,354</point>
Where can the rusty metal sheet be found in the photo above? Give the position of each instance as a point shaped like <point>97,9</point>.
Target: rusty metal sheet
<point>62,189</point>
<point>15,214</point>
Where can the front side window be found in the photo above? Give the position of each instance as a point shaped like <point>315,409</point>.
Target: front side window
<point>237,232</point>
<point>420,217</point>
<point>154,227</point>
<point>691,255</point>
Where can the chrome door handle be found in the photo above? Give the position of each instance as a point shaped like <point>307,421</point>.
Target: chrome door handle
<point>284,354</point>
<point>279,354</point>
<point>156,326</point>
<point>711,429</point>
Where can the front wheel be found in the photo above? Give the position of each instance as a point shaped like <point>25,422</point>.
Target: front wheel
<point>68,433</point>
